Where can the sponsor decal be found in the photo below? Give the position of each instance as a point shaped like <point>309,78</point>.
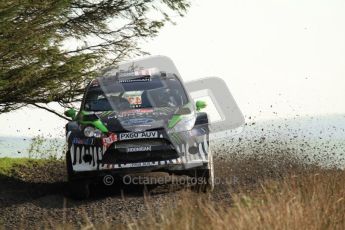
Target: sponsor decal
<point>130,136</point>
<point>142,79</point>
<point>107,141</point>
<point>140,164</point>
<point>149,71</point>
<point>143,110</point>
<point>83,141</point>
<point>137,121</point>
<point>141,72</point>
<point>134,98</point>
<point>134,112</point>
<point>139,149</point>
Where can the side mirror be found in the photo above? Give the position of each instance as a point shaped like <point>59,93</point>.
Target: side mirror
<point>71,113</point>
<point>200,105</point>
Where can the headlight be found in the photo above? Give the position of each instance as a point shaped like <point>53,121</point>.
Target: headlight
<point>186,124</point>
<point>92,132</point>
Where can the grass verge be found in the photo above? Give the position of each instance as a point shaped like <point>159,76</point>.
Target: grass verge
<point>256,193</point>
<point>11,166</point>
<point>8,164</point>
<point>298,201</point>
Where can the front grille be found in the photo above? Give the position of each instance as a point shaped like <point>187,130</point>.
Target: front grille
<point>142,142</point>
<point>161,149</point>
<point>115,157</point>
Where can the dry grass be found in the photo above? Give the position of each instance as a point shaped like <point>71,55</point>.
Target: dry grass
<point>284,195</point>
<point>304,201</point>
<point>255,192</point>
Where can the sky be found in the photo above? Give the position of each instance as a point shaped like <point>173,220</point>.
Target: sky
<point>279,58</point>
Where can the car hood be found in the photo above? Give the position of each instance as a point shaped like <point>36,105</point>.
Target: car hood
<point>137,120</point>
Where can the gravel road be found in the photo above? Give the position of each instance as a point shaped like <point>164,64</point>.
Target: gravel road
<point>36,196</point>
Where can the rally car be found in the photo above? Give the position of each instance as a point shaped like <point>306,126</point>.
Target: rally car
<point>137,121</point>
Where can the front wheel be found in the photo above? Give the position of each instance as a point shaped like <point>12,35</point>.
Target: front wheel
<point>204,178</point>
<point>210,172</point>
<point>78,188</point>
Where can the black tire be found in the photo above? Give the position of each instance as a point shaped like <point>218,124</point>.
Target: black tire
<point>201,180</point>
<point>79,189</point>
<point>69,166</point>
<point>204,177</point>
<point>210,166</point>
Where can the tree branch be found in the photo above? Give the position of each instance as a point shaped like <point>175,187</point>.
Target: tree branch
<point>50,110</point>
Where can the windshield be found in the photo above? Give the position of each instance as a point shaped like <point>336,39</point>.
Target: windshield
<point>137,93</point>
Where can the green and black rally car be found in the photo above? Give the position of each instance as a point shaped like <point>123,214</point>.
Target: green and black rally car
<point>137,121</point>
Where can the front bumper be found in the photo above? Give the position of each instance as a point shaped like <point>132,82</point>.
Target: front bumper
<point>120,172</point>
<point>176,153</point>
